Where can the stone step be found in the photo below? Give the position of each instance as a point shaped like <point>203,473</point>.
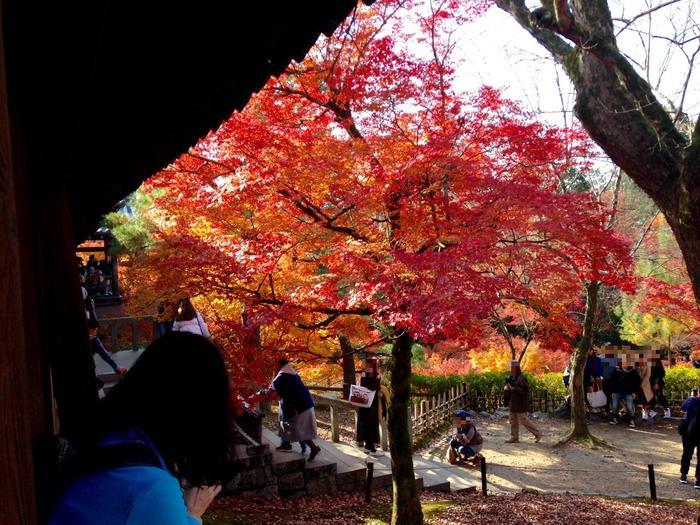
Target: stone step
<point>341,467</point>
<point>283,463</point>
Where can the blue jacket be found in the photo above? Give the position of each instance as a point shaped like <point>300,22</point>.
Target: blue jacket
<point>689,407</point>
<point>133,495</point>
<point>295,397</point>
<point>594,367</point>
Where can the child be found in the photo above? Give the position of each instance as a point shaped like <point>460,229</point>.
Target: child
<point>467,441</point>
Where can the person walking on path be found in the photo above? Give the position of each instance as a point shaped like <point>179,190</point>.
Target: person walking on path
<point>690,441</point>
<point>98,348</point>
<point>297,417</point>
<point>188,319</point>
<point>518,390</point>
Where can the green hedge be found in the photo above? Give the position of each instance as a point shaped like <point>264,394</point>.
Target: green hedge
<point>679,382</point>
<point>486,383</point>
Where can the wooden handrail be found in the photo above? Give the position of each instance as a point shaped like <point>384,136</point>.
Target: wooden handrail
<point>115,322</point>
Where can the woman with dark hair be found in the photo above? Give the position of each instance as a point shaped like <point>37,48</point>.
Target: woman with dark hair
<point>163,429</point>
<point>187,319</point>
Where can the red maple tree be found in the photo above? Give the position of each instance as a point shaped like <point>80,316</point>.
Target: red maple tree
<point>361,193</point>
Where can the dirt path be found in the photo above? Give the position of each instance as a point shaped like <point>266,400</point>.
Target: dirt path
<point>619,471</point>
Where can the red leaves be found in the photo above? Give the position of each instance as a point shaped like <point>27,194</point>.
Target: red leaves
<point>360,185</point>
<point>448,509</point>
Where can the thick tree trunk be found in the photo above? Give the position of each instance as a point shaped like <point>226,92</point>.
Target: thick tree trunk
<point>347,360</point>
<point>620,111</point>
<point>686,228</point>
<point>406,508</point>
<point>579,427</point>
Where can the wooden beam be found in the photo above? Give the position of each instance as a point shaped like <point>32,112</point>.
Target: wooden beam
<point>17,499</point>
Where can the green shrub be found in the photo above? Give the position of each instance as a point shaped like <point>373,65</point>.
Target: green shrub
<point>483,382</point>
<point>489,384</point>
<point>551,383</point>
<point>680,381</point>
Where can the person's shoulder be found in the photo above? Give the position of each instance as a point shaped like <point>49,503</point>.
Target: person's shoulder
<point>160,498</point>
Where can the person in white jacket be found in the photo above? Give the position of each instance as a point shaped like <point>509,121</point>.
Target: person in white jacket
<point>188,319</point>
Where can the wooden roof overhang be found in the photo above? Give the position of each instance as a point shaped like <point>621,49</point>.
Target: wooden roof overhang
<point>109,92</point>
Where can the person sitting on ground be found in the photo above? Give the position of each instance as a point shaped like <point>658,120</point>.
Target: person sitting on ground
<point>467,442</point>
<point>626,383</point>
<point>297,417</point>
<point>187,319</point>
<point>519,393</point>
<point>164,428</point>
<point>690,444</point>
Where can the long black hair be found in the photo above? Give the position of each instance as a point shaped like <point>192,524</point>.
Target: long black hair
<point>185,311</point>
<point>178,393</point>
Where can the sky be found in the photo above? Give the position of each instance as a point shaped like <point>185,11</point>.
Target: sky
<point>495,50</point>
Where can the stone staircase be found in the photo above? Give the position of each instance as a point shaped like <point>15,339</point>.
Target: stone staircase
<point>339,468</point>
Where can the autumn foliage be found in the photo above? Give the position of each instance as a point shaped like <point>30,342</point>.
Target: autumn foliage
<point>362,194</point>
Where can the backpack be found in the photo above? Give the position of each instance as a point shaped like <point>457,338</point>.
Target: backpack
<point>57,465</point>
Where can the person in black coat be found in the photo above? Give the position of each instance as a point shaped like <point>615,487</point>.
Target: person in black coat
<point>368,418</point>
<point>625,385</point>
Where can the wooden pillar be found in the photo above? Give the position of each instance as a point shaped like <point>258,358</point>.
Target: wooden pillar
<point>335,430</point>
<point>17,499</point>
<point>61,313</point>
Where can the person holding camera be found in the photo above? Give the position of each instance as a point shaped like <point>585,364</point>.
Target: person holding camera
<point>517,391</point>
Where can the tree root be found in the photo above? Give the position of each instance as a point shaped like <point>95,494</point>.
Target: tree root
<point>585,439</point>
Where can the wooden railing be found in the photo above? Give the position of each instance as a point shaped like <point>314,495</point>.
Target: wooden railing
<point>337,406</point>
<point>115,335</point>
<point>427,414</point>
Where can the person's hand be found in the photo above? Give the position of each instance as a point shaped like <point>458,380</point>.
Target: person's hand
<point>121,371</point>
<point>198,499</point>
<point>507,387</point>
<point>634,396</point>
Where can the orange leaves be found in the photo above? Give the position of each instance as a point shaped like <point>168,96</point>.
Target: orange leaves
<point>360,190</point>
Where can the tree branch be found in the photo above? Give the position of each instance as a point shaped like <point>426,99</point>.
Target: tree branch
<point>557,46</point>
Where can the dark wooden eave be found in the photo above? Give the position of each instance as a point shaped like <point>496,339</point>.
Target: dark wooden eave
<point>106,93</point>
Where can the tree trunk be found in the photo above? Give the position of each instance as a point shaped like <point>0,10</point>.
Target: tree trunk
<point>579,427</point>
<point>348,363</point>
<point>686,228</point>
<point>620,111</point>
<point>406,507</point>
